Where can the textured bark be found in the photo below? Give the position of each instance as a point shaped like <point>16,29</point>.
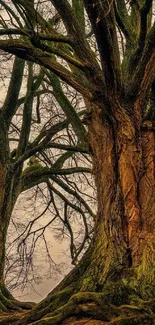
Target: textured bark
<point>2,241</point>
<point>109,243</point>
<point>147,183</point>
<point>9,191</point>
<point>117,271</point>
<point>130,166</point>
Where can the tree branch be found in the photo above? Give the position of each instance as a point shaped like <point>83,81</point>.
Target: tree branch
<point>10,104</point>
<point>103,24</point>
<point>122,17</point>
<point>27,114</point>
<point>66,106</point>
<point>145,70</point>
<point>143,22</point>
<point>54,50</point>
<point>68,148</point>
<point>41,36</point>
<point>26,51</point>
<point>35,174</point>
<point>70,191</point>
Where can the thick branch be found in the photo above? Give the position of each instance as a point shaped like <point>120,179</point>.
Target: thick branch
<point>143,27</point>
<point>35,174</point>
<point>102,20</point>
<point>145,70</point>
<point>10,103</point>
<point>67,147</point>
<point>80,44</point>
<point>122,17</point>
<point>143,22</point>
<point>54,50</point>
<point>41,36</point>
<point>26,51</point>
<point>27,114</point>
<point>66,106</point>
<point>78,8</point>
<point>73,28</point>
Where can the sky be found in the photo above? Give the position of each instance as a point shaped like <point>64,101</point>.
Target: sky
<point>59,250</point>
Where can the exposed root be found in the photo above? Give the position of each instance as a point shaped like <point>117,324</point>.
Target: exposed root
<point>46,306</point>
<point>12,318</point>
<point>69,307</point>
<point>91,308</point>
<point>8,305</point>
<point>11,309</point>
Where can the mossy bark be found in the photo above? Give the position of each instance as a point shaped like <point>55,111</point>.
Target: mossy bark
<point>8,196</point>
<point>9,190</point>
<point>114,281</point>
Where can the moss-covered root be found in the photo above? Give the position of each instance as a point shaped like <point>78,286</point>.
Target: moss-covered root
<point>116,321</point>
<point>89,308</point>
<point>8,319</point>
<point>93,306</point>
<point>79,303</point>
<point>9,304</point>
<point>46,306</point>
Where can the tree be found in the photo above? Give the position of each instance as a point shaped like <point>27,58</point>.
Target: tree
<point>114,281</point>
<point>41,147</point>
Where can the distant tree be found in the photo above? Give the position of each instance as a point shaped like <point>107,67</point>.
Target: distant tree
<point>43,151</point>
<point>105,51</point>
<point>61,198</point>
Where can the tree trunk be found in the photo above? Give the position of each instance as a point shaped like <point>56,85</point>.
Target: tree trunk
<point>6,207</point>
<point>3,184</point>
<point>9,191</point>
<point>2,234</point>
<point>113,283</point>
<point>109,245</point>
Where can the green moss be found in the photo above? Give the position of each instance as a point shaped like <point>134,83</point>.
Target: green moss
<point>118,293</point>
<point>48,306</point>
<point>136,321</point>
<point>2,308</point>
<point>88,283</point>
<point>32,168</point>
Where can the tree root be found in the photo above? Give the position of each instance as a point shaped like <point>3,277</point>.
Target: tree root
<point>10,308</point>
<point>46,306</point>
<point>69,308</point>
<point>91,307</point>
<point>10,318</point>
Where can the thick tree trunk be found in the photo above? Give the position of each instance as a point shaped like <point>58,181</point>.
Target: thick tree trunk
<point>146,242</point>
<point>109,245</point>
<point>114,279</point>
